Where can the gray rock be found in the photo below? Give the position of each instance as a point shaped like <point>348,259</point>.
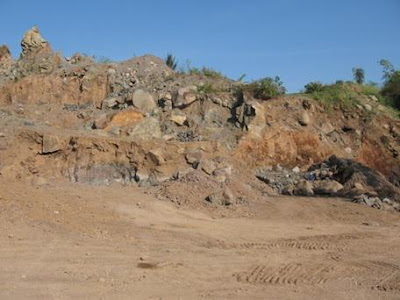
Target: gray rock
<point>178,117</point>
<point>304,188</point>
<point>387,201</point>
<point>373,98</point>
<point>185,96</point>
<point>222,174</point>
<point>150,181</point>
<point>193,158</point>
<point>296,170</point>
<point>208,166</point>
<point>327,128</point>
<point>157,156</point>
<point>100,122</point>
<point>367,107</point>
<point>109,102</point>
<point>288,190</point>
<point>225,197</point>
<point>369,201</point>
<point>143,101</point>
<point>51,144</point>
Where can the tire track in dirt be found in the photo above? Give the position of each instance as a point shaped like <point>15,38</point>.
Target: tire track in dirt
<point>292,274</point>
<point>389,276</point>
<point>314,243</point>
<point>295,273</point>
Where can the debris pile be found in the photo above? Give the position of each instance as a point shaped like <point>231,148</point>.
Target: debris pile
<point>336,177</point>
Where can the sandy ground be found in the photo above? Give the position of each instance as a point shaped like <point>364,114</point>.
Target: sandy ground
<point>74,241</point>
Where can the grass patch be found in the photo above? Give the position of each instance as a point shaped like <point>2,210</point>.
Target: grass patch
<point>263,89</point>
<point>207,88</point>
<point>338,94</point>
<point>204,71</point>
<point>208,72</point>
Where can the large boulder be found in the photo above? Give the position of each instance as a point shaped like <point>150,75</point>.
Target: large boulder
<point>304,118</point>
<point>143,101</point>
<point>304,188</point>
<point>185,96</point>
<point>207,165</point>
<point>156,156</point>
<point>178,117</point>
<point>51,144</point>
<point>327,187</point>
<point>101,121</point>
<point>125,118</point>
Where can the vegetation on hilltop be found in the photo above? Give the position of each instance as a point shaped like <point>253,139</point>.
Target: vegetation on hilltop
<point>346,94</point>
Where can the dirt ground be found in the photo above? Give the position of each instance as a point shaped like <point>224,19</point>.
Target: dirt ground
<point>74,241</point>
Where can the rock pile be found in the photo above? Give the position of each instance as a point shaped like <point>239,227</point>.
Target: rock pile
<point>336,177</point>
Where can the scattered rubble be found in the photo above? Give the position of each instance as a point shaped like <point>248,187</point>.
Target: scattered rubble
<point>335,177</point>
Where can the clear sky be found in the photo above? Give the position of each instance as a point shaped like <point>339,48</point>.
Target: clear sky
<point>300,41</point>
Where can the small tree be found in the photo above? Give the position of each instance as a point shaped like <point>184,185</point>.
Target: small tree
<point>359,75</point>
<point>266,88</point>
<point>314,86</point>
<point>388,69</point>
<point>391,87</point>
<point>171,61</point>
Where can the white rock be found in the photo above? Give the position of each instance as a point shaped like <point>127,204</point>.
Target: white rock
<point>367,107</point>
<point>296,169</point>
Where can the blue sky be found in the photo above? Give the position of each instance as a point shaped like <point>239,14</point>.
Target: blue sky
<point>300,41</point>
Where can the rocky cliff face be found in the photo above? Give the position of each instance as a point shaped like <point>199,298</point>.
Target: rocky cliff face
<point>140,122</point>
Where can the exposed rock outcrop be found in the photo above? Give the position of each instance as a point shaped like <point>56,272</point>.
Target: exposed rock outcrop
<point>5,57</point>
<point>33,43</point>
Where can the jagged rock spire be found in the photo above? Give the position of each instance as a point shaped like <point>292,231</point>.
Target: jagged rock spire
<point>33,43</point>
<point>5,56</point>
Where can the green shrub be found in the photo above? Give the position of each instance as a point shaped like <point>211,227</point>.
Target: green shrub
<point>341,94</point>
<point>204,71</point>
<point>208,72</point>
<point>194,71</point>
<point>266,88</point>
<point>371,89</point>
<point>314,86</point>
<point>391,89</point>
<point>104,60</point>
<point>207,88</point>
